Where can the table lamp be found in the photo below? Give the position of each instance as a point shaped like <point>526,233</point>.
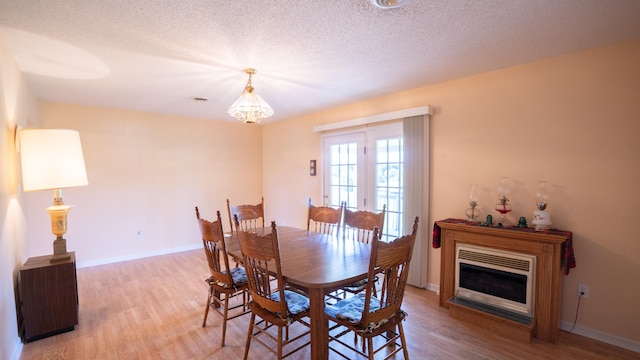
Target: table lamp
<point>52,159</point>
<point>473,212</point>
<point>503,206</point>
<point>541,217</point>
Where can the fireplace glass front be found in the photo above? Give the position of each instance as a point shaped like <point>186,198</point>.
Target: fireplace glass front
<point>498,283</point>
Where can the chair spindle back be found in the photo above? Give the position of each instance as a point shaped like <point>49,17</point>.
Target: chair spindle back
<point>359,225</point>
<point>249,216</point>
<point>261,256</point>
<point>215,248</point>
<point>324,219</point>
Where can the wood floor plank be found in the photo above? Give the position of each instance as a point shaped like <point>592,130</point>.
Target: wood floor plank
<point>152,309</point>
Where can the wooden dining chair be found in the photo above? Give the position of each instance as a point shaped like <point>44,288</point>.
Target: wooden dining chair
<point>270,300</point>
<point>225,283</point>
<point>370,316</point>
<point>324,219</point>
<point>249,216</point>
<point>359,225</point>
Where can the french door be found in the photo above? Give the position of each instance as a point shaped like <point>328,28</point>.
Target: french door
<point>364,168</point>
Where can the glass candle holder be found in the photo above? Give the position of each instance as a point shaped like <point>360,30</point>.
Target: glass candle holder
<point>473,212</point>
<point>503,207</point>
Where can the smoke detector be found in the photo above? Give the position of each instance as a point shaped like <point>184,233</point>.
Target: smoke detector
<point>389,4</point>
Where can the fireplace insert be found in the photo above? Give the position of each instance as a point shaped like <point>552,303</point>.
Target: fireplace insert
<point>502,279</point>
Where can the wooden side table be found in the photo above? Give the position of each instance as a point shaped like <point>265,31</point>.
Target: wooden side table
<point>48,294</point>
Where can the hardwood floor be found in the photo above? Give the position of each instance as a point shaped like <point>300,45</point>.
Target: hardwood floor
<point>152,309</point>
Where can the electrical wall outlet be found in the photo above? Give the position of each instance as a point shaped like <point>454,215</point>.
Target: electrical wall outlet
<point>583,290</point>
<point>312,167</point>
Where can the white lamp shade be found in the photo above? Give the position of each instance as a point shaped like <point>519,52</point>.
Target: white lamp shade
<point>51,159</point>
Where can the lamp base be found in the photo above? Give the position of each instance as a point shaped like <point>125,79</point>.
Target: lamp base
<point>473,214</point>
<point>60,250</point>
<point>504,221</point>
<point>541,219</point>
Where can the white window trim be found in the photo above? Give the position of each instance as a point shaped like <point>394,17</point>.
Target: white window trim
<point>400,114</point>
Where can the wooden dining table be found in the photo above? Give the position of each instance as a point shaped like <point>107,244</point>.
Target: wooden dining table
<point>317,264</point>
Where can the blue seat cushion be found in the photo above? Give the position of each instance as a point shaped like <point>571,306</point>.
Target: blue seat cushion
<point>351,309</point>
<point>239,275</point>
<point>358,284</point>
<point>296,303</point>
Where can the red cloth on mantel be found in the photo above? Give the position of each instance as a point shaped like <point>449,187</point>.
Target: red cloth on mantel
<point>568,257</point>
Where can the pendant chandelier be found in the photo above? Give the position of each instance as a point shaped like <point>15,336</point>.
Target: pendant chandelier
<point>250,107</point>
<point>389,4</point>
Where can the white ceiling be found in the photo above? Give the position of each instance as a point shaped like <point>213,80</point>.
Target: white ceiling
<point>156,55</point>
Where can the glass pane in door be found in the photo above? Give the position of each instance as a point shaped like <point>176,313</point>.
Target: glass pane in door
<point>389,184</point>
<point>343,169</point>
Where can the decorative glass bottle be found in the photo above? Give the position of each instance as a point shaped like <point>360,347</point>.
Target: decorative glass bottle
<point>473,212</point>
<point>503,206</point>
<point>541,217</point>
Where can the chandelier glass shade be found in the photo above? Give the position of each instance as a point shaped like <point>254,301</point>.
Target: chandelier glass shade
<point>389,4</point>
<point>250,107</point>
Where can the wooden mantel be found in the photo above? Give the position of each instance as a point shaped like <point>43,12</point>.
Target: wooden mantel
<point>545,246</point>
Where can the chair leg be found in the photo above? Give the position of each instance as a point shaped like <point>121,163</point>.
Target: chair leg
<point>405,351</point>
<point>224,319</point>
<point>244,300</point>
<point>206,310</point>
<point>280,341</point>
<point>370,345</point>
<point>248,343</point>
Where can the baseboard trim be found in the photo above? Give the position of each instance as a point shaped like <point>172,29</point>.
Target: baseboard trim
<point>17,350</point>
<point>580,330</point>
<point>434,287</point>
<point>82,264</point>
<point>601,336</point>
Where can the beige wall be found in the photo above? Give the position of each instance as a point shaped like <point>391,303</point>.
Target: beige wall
<point>573,121</point>
<point>288,147</point>
<point>17,107</point>
<point>146,173</point>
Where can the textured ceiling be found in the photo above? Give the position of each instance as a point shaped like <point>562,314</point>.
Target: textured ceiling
<point>156,55</point>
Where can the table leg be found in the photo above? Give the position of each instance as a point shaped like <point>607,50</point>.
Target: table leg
<point>319,325</point>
